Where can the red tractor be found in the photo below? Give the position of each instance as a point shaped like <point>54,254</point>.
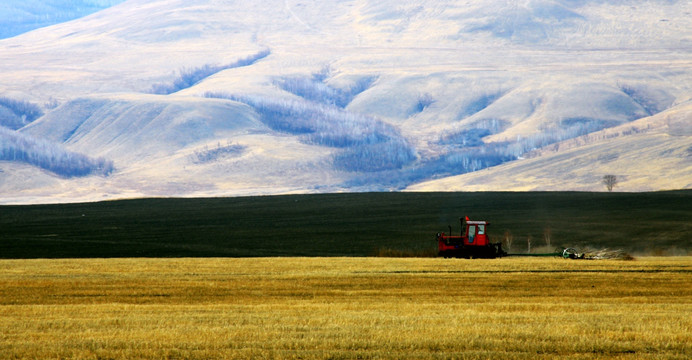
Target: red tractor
<point>472,243</point>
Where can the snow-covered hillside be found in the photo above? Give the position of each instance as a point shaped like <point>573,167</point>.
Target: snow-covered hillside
<point>214,97</point>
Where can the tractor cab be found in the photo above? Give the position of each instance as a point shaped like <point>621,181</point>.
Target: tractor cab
<point>475,232</point>
<point>473,241</point>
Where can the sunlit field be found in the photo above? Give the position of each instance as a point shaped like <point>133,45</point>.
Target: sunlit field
<point>351,308</point>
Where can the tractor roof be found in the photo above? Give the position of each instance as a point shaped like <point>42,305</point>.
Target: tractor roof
<point>477,222</point>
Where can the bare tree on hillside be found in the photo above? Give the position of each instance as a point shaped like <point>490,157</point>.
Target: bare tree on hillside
<point>610,181</point>
<point>547,234</point>
<point>508,240</point>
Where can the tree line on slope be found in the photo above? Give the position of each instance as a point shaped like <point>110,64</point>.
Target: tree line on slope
<point>316,90</point>
<point>367,143</point>
<point>376,151</point>
<point>206,154</point>
<point>460,152</point>
<point>15,114</point>
<point>188,77</point>
<point>19,147</point>
<point>15,146</point>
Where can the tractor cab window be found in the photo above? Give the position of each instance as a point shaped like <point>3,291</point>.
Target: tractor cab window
<point>481,229</point>
<point>472,233</point>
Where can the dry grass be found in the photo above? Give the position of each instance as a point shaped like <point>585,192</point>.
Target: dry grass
<point>409,253</point>
<point>350,308</point>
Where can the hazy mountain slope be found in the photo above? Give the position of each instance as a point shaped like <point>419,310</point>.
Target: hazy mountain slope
<point>323,96</point>
<point>137,128</point>
<point>165,145</point>
<point>650,154</point>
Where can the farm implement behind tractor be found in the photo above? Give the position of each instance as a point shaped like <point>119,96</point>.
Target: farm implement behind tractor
<point>474,242</point>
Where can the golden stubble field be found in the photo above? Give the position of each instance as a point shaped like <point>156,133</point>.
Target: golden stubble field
<point>345,308</point>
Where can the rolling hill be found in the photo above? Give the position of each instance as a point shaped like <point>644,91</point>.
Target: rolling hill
<point>650,154</point>
<point>216,98</point>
